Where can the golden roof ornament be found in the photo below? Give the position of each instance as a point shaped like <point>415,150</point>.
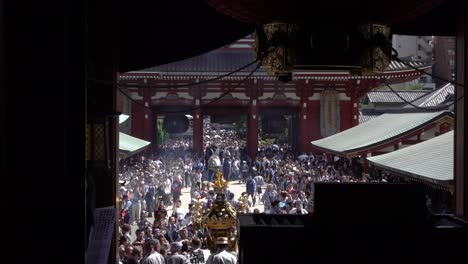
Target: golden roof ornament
<point>219,184</point>
<point>197,212</point>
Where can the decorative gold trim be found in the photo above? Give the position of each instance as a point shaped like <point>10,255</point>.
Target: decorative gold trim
<point>278,59</point>
<point>218,220</point>
<point>352,155</point>
<point>446,119</point>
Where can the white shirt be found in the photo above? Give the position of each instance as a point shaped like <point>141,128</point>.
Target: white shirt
<point>198,177</point>
<point>180,213</point>
<point>259,180</point>
<point>222,257</point>
<point>154,258</point>
<point>294,211</point>
<point>199,256</point>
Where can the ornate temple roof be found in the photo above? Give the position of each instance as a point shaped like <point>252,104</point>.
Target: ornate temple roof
<point>364,116</point>
<point>222,61</point>
<point>377,132</point>
<point>438,97</point>
<point>391,97</point>
<point>431,160</point>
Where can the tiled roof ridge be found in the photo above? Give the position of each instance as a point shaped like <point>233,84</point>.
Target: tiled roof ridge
<point>402,91</point>
<point>436,93</point>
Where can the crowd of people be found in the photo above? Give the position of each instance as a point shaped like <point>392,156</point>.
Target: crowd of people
<point>151,188</point>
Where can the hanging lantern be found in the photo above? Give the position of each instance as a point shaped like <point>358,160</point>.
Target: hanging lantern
<point>175,123</point>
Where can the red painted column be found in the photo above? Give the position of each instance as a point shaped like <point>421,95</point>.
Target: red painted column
<point>346,115</point>
<point>355,111</point>
<point>314,123</point>
<point>309,117</point>
<point>252,129</point>
<point>304,134</point>
<point>147,116</point>
<point>155,141</point>
<point>349,110</point>
<point>137,120</point>
<point>142,117</point>
<point>197,131</point>
<point>365,164</point>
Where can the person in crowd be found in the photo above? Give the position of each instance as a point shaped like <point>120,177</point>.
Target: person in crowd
<point>259,180</point>
<point>251,187</point>
<point>179,211</point>
<point>227,168</point>
<point>245,172</point>
<point>231,199</point>
<point>235,170</point>
<point>136,205</point>
<point>176,189</point>
<point>269,197</point>
<point>183,234</point>
<point>198,255</point>
<point>154,181</point>
<point>137,254</point>
<point>152,248</point>
<point>122,258</point>
<point>187,174</point>
<point>126,229</point>
<point>140,237</point>
<point>172,229</point>
<point>176,257</point>
<point>143,220</point>
<point>128,253</point>
<point>221,256</point>
<point>298,209</point>
<point>126,209</point>
<point>160,212</point>
<point>163,241</point>
<point>149,199</point>
<point>195,190</point>
<point>149,232</point>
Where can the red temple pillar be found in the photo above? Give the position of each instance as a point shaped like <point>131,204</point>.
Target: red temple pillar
<point>147,116</point>
<point>355,111</point>
<point>137,118</point>
<point>314,123</point>
<point>155,141</point>
<point>309,118</point>
<point>252,129</point>
<point>365,163</point>
<point>346,115</point>
<point>304,117</point>
<point>197,131</point>
<point>349,109</point>
<point>142,117</point>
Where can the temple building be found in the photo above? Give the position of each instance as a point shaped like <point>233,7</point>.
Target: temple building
<point>320,103</point>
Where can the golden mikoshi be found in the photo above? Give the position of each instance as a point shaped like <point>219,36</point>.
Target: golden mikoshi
<point>220,219</point>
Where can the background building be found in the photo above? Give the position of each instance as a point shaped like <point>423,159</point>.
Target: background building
<point>444,59</point>
<point>416,48</point>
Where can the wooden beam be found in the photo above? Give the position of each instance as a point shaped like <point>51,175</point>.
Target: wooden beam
<point>461,177</point>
